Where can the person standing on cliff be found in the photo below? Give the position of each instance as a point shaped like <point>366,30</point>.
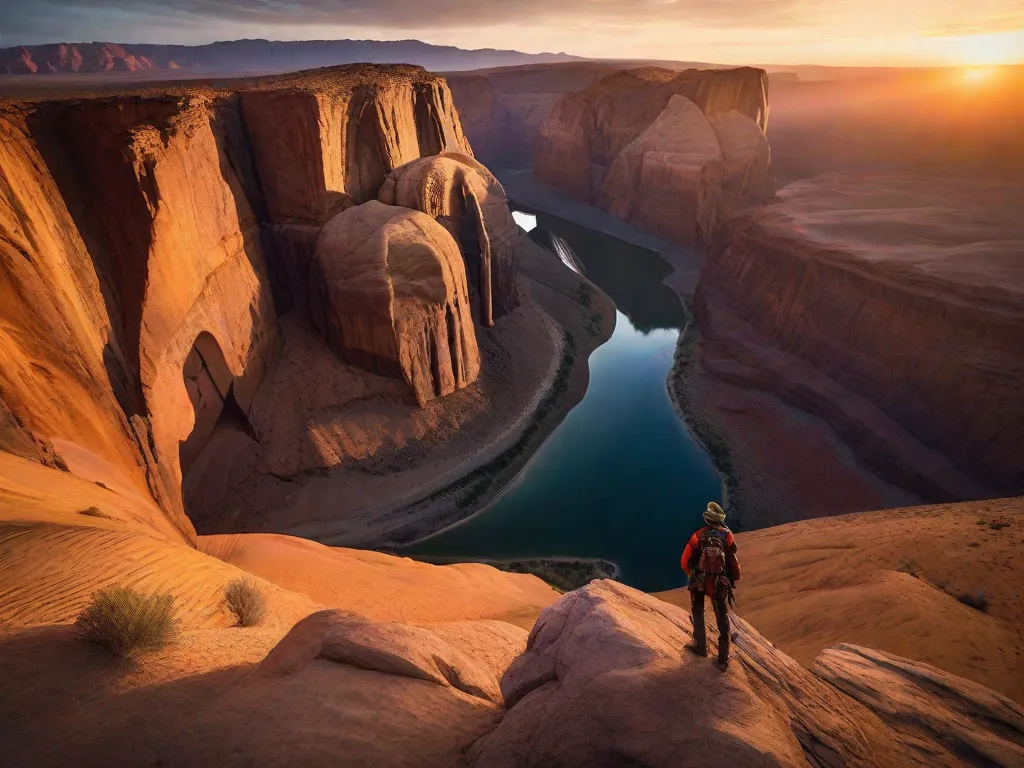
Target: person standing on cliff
<point>710,563</point>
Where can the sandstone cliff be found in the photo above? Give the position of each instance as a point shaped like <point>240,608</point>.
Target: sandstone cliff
<point>503,109</point>
<point>892,306</point>
<point>630,144</point>
<point>469,202</point>
<point>388,291</point>
<point>150,240</point>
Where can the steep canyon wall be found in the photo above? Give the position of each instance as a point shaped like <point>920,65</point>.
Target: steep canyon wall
<point>135,230</point>
<point>674,153</point>
<point>894,306</point>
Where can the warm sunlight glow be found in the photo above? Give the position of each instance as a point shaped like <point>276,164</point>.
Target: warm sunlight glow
<point>978,74</point>
<point>1001,48</point>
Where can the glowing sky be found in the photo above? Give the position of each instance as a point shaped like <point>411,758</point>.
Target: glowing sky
<point>857,32</point>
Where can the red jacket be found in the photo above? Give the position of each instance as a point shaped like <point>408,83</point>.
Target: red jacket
<point>732,563</point>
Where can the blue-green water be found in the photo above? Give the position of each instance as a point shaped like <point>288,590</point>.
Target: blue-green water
<point>621,478</point>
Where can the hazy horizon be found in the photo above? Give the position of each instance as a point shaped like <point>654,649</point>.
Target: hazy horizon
<point>858,33</point>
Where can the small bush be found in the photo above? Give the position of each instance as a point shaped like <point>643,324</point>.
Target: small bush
<point>126,622</point>
<point>95,512</point>
<point>245,599</point>
<point>908,566</point>
<point>977,601</point>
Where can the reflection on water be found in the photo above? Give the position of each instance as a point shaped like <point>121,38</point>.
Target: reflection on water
<point>631,275</point>
<point>621,478</point>
<point>525,220</point>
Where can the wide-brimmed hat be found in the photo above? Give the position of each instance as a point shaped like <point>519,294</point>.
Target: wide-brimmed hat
<point>714,513</point>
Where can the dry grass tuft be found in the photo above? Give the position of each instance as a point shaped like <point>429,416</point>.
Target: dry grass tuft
<point>95,512</point>
<point>245,599</point>
<point>126,622</point>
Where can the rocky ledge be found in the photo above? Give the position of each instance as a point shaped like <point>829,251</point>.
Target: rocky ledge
<point>603,680</point>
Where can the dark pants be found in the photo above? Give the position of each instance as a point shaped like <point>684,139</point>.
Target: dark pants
<point>700,634</point>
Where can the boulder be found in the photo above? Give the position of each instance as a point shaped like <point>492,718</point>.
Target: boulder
<point>388,291</point>
<point>465,198</point>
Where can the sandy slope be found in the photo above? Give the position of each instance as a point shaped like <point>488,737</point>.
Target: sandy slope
<point>889,580</point>
<point>109,712</point>
<point>381,587</point>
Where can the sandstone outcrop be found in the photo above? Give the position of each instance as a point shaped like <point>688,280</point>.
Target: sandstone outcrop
<point>503,109</point>
<point>630,144</point>
<point>368,659</point>
<point>909,343</point>
<point>668,179</point>
<point>463,196</point>
<point>606,680</point>
<point>149,233</point>
<point>388,291</point>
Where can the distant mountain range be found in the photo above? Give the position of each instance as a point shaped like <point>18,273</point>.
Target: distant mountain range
<point>254,56</point>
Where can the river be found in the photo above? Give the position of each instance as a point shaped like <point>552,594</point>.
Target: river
<point>621,478</point>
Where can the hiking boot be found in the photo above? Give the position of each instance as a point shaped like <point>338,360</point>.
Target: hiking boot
<point>697,651</point>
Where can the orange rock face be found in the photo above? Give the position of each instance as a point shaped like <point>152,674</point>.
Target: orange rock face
<point>147,240</point>
<point>388,291</point>
<point>673,153</point>
<point>468,201</point>
<point>892,306</point>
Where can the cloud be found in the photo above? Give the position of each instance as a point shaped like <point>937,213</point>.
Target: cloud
<point>410,14</point>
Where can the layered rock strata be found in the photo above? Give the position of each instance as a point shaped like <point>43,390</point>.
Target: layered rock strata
<point>465,198</point>
<point>388,291</point>
<point>672,153</point>
<point>894,307</point>
<point>140,231</point>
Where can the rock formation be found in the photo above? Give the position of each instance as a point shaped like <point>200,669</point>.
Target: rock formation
<point>893,307</point>
<point>606,680</point>
<point>365,658</point>
<point>468,201</point>
<point>502,110</point>
<point>669,179</point>
<point>142,230</point>
<point>630,144</point>
<point>388,291</point>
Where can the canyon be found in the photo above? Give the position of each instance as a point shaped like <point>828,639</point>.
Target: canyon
<point>906,409</point>
<point>176,259</point>
<point>301,305</point>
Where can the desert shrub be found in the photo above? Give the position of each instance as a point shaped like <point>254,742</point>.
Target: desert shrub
<point>94,512</point>
<point>245,599</point>
<point>977,601</point>
<point>908,566</point>
<point>126,622</point>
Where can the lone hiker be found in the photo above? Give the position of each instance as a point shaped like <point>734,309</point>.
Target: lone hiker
<point>711,564</point>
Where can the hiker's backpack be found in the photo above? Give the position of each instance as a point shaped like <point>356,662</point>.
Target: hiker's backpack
<point>712,552</point>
